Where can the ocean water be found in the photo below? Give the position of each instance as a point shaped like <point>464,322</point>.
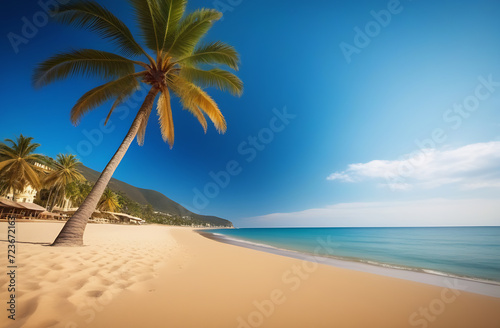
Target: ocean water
<point>471,252</point>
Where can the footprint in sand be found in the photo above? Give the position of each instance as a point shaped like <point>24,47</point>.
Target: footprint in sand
<point>95,293</point>
<point>64,294</point>
<point>79,284</point>
<point>144,277</point>
<point>40,272</point>
<point>115,267</point>
<point>124,284</point>
<point>29,307</point>
<point>57,267</point>
<point>106,282</point>
<point>52,276</point>
<point>49,324</point>
<point>31,286</point>
<point>93,272</point>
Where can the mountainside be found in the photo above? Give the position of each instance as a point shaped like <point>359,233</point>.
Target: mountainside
<point>156,199</point>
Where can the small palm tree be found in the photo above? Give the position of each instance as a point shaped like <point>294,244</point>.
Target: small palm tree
<point>63,171</point>
<point>19,165</point>
<point>109,201</point>
<point>78,191</point>
<point>178,65</point>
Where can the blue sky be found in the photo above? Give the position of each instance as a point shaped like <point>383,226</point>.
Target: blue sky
<point>360,106</point>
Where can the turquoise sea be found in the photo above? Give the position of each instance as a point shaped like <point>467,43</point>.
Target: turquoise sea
<point>472,252</point>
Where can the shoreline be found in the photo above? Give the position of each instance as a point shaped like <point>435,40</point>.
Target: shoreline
<point>421,275</point>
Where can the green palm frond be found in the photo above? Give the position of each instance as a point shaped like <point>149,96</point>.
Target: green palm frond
<point>172,11</point>
<point>150,20</point>
<point>218,78</point>
<point>97,96</point>
<point>93,16</point>
<point>213,53</point>
<point>126,93</point>
<point>87,62</point>
<point>191,30</point>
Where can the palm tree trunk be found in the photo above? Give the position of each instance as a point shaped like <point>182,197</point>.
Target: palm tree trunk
<point>72,232</point>
<point>54,200</point>
<point>60,197</point>
<point>48,200</point>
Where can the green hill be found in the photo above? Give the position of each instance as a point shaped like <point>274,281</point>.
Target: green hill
<point>157,200</point>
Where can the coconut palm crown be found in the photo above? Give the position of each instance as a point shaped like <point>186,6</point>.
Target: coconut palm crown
<point>63,171</point>
<point>109,201</point>
<point>170,60</point>
<point>19,165</point>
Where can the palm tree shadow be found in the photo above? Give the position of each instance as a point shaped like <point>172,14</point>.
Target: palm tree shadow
<point>29,242</point>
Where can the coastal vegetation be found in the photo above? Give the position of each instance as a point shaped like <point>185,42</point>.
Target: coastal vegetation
<point>66,179</point>
<point>179,65</point>
<point>62,172</point>
<point>109,201</point>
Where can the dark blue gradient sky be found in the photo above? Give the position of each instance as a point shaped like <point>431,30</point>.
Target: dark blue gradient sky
<point>376,103</point>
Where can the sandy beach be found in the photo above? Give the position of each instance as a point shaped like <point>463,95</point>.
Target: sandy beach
<point>159,276</point>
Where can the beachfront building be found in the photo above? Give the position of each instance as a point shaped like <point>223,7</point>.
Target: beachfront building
<point>127,219</point>
<point>102,216</point>
<point>25,210</point>
<point>26,196</point>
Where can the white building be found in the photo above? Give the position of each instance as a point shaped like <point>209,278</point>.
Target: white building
<point>29,193</point>
<point>26,196</point>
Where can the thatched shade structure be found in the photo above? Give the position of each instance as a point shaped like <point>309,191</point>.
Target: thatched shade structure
<point>20,210</point>
<point>8,206</point>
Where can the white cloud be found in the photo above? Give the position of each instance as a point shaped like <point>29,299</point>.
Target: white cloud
<point>471,167</point>
<point>432,212</point>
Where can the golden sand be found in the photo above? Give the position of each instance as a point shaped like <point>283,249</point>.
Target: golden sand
<point>157,276</point>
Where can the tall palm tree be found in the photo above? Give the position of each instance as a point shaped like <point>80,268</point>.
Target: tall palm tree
<point>18,165</point>
<point>64,170</point>
<point>109,201</point>
<point>178,64</point>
